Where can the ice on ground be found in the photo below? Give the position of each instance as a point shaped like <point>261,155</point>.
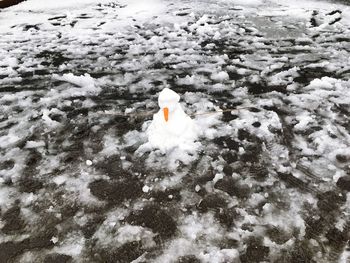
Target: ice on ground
<point>265,180</point>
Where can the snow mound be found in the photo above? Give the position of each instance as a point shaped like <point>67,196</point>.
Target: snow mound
<point>179,130</point>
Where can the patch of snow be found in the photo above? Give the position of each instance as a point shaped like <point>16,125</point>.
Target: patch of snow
<point>220,76</point>
<point>34,144</point>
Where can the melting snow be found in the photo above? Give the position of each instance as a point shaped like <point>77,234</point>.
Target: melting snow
<point>87,175</point>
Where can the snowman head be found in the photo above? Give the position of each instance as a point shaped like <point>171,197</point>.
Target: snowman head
<point>168,101</point>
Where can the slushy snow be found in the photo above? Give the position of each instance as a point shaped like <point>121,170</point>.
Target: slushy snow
<point>266,181</point>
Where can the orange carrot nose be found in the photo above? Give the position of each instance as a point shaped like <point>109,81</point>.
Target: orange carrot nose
<point>166,113</point>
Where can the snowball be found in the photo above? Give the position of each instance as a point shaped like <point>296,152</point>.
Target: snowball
<point>168,98</point>
<point>145,189</point>
<point>88,162</point>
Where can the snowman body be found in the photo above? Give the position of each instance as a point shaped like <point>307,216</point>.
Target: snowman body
<point>171,126</point>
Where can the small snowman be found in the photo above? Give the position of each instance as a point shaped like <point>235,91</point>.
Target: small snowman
<point>171,126</point>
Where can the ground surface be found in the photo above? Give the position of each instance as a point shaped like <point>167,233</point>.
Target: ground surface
<point>268,183</point>
<point>8,3</point>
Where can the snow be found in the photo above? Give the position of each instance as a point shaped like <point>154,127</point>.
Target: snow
<point>8,140</point>
<point>145,188</point>
<point>81,81</point>
<point>72,245</point>
<point>220,256</point>
<point>87,164</point>
<point>44,5</point>
<point>220,77</point>
<point>34,144</point>
<point>178,131</point>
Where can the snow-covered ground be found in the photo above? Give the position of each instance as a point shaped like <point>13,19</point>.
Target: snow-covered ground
<point>267,183</point>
